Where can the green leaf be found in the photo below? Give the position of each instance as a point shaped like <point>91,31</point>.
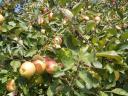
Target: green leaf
<point>66,57</point>
<point>50,92</point>
<point>90,26</point>
<point>124,47</point>
<point>15,65</point>
<point>124,36</point>
<point>71,41</point>
<point>77,8</point>
<point>31,53</point>
<point>103,93</point>
<point>86,77</point>
<point>112,31</point>
<point>86,57</point>
<point>79,84</point>
<point>63,2</point>
<point>4,79</point>
<point>120,91</point>
<point>59,74</point>
<point>110,55</point>
<point>1,43</point>
<point>3,71</point>
<point>97,64</point>
<point>12,23</point>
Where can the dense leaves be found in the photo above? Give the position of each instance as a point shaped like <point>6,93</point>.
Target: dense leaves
<point>92,53</point>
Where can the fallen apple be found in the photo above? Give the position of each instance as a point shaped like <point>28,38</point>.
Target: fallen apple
<point>11,86</point>
<point>39,65</point>
<point>27,69</point>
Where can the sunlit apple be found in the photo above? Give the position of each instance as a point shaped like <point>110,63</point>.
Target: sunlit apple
<point>27,69</point>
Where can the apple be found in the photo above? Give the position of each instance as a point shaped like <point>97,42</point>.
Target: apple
<point>44,10</point>
<point>118,27</point>
<point>1,18</point>
<point>40,20</point>
<point>11,86</point>
<point>39,65</point>
<point>85,17</point>
<point>27,69</point>
<point>113,2</point>
<point>50,15</point>
<point>57,40</point>
<point>51,65</point>
<point>97,19</point>
<point>64,21</point>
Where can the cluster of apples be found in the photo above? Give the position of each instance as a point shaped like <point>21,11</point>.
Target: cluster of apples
<point>96,18</point>
<point>41,20</point>
<point>36,66</point>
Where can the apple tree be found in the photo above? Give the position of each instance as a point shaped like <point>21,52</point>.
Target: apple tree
<point>63,48</point>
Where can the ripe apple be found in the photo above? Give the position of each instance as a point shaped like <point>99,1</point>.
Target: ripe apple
<point>85,18</point>
<point>40,20</point>
<point>11,86</point>
<point>51,65</point>
<point>64,21</point>
<point>97,19</point>
<point>118,27</point>
<point>1,18</point>
<point>39,65</point>
<point>57,40</point>
<point>44,10</point>
<point>50,15</point>
<point>27,69</point>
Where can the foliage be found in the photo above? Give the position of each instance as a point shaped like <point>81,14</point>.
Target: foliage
<point>94,54</point>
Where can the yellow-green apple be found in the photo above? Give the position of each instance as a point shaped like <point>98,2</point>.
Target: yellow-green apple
<point>27,69</point>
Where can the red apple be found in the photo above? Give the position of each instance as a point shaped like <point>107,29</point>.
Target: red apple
<point>40,66</point>
<point>11,86</point>
<point>27,69</point>
<point>51,65</point>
